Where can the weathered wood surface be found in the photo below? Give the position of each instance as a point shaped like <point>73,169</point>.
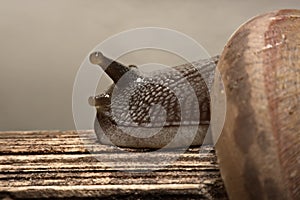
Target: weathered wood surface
<point>58,165</point>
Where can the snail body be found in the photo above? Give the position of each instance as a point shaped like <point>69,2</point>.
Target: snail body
<point>149,110</point>
<point>259,147</point>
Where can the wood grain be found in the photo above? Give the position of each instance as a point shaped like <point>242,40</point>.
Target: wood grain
<point>59,165</point>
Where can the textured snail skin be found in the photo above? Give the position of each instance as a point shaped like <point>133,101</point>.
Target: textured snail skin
<point>259,147</point>
<point>137,123</point>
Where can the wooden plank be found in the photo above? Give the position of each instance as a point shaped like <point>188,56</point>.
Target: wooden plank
<point>57,165</point>
<point>183,191</point>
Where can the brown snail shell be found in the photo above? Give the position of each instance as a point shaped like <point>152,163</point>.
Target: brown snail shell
<point>259,147</point>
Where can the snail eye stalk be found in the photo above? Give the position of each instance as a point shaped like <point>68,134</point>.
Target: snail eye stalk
<point>113,69</point>
<point>101,100</point>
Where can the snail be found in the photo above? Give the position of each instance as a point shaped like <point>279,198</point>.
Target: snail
<point>144,104</point>
<point>259,148</point>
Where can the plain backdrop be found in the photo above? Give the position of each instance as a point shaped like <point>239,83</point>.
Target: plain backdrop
<point>43,43</point>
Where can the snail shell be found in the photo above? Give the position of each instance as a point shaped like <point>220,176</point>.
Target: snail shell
<point>149,110</point>
<point>259,147</point>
